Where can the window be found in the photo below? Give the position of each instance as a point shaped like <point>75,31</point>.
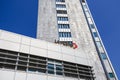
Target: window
<point>54,67</point>
<point>85,7</point>
<point>64,34</point>
<point>90,20</point>
<point>62,18</point>
<point>87,14</point>
<point>58,67</point>
<point>92,26</point>
<point>50,67</point>
<point>65,26</point>
<point>100,47</point>
<point>59,70</point>
<point>111,75</point>
<point>61,12</point>
<point>60,6</point>
<point>98,44</point>
<point>95,34</point>
<point>60,34</point>
<point>68,34</point>
<point>103,56</point>
<point>60,0</point>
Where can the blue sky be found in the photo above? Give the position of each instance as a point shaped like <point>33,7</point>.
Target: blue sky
<point>20,16</point>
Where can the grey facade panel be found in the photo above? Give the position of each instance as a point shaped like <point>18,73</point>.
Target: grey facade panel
<point>47,21</point>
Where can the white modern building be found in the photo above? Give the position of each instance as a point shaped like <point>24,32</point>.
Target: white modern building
<point>68,46</point>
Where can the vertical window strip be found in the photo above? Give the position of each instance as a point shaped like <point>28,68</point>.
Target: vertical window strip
<point>95,34</point>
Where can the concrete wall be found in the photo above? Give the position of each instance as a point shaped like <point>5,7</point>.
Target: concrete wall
<point>12,75</point>
<point>47,21</point>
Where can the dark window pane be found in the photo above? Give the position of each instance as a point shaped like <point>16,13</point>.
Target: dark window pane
<point>60,0</point>
<point>95,34</point>
<point>61,12</point>
<point>59,67</point>
<point>92,26</point>
<point>63,26</point>
<point>22,68</point>
<point>111,75</point>
<point>59,73</point>
<point>51,71</point>
<point>62,18</point>
<point>83,1</point>
<point>50,66</point>
<point>64,34</point>
<point>60,6</point>
<point>32,69</point>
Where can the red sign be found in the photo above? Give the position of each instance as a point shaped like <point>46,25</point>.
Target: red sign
<point>75,45</point>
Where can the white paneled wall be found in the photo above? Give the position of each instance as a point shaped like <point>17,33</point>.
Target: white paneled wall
<point>19,43</point>
<point>38,51</point>
<point>7,75</point>
<point>68,58</point>
<point>26,40</point>
<point>10,37</point>
<point>36,77</point>
<point>55,55</point>
<point>54,47</point>
<point>15,42</point>
<point>24,48</point>
<point>20,76</point>
<point>9,45</point>
<point>39,43</point>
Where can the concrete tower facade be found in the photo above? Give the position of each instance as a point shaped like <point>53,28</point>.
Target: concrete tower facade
<point>69,22</point>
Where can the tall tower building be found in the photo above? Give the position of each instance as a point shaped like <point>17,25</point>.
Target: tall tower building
<point>68,46</point>
<point>69,22</point>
